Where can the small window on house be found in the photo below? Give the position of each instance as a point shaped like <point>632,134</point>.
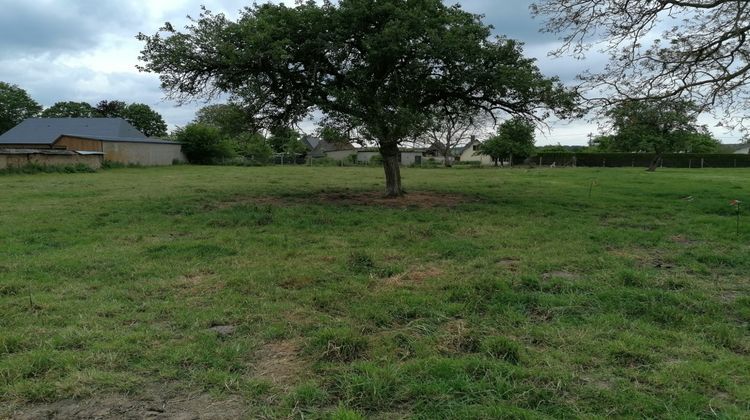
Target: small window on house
<point>475,147</point>
<point>418,160</point>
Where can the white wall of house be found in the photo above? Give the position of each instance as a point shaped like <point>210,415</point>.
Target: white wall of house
<point>364,156</point>
<point>410,158</point>
<point>471,154</point>
<point>743,151</point>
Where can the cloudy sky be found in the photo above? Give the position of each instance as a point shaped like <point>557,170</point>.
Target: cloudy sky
<point>85,50</point>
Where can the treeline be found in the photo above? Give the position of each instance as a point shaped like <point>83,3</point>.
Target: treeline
<point>666,160</point>
<point>16,105</point>
<point>226,133</point>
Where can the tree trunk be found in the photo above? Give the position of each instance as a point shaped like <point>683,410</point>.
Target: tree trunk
<point>654,163</point>
<point>447,161</point>
<point>392,170</point>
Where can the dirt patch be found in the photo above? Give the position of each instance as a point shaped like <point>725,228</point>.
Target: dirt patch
<point>413,276</point>
<point>280,364</point>
<point>153,404</point>
<point>413,199</point>
<point>417,199</point>
<point>510,264</point>
<point>456,337</point>
<point>681,239</point>
<point>564,275</point>
<point>224,330</point>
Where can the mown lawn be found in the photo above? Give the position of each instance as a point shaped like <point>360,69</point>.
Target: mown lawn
<point>509,293</point>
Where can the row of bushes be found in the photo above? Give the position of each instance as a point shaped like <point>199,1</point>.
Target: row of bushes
<point>668,160</point>
<point>35,168</point>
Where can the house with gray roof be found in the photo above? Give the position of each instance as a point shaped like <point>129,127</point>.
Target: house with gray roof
<point>117,139</point>
<point>738,149</point>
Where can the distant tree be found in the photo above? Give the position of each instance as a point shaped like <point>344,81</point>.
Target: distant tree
<point>514,140</point>
<point>702,142</point>
<point>145,119</point>
<point>15,106</point>
<point>382,67</point>
<point>655,126</point>
<point>110,109</point>
<point>141,116</point>
<point>230,118</point>
<point>204,144</point>
<point>286,140</point>
<point>70,109</point>
<point>254,147</point>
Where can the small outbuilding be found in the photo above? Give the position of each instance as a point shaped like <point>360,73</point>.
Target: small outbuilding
<point>117,139</point>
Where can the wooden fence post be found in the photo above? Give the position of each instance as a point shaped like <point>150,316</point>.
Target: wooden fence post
<point>702,162</point>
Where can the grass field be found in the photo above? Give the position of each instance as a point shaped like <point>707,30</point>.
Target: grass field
<point>287,292</point>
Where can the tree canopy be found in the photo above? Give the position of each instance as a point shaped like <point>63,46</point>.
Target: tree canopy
<point>229,118</point>
<point>378,67</point>
<point>145,119</point>
<point>70,109</point>
<point>141,116</point>
<point>15,106</point>
<point>514,139</point>
<point>696,50</point>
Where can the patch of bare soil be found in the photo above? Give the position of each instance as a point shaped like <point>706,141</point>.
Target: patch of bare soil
<point>414,199</point>
<point>154,404</point>
<point>644,259</point>
<point>681,239</point>
<point>564,275</point>
<point>457,338</point>
<point>413,276</point>
<point>510,264</point>
<point>417,199</point>
<point>280,363</point>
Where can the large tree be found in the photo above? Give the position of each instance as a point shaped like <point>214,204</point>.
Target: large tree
<point>660,49</point>
<point>15,106</point>
<point>380,67</point>
<point>656,126</point>
<point>70,109</point>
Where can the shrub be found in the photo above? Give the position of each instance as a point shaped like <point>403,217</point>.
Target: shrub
<point>253,148</point>
<point>204,144</point>
<point>35,168</point>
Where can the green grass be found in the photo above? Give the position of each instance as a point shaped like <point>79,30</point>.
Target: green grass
<point>530,299</point>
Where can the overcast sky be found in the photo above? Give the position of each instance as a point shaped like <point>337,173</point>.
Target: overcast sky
<point>85,50</point>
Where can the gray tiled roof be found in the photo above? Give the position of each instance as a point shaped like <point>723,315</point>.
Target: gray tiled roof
<point>47,130</point>
<point>120,139</point>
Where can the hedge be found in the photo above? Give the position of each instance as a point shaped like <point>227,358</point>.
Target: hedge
<point>669,160</point>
